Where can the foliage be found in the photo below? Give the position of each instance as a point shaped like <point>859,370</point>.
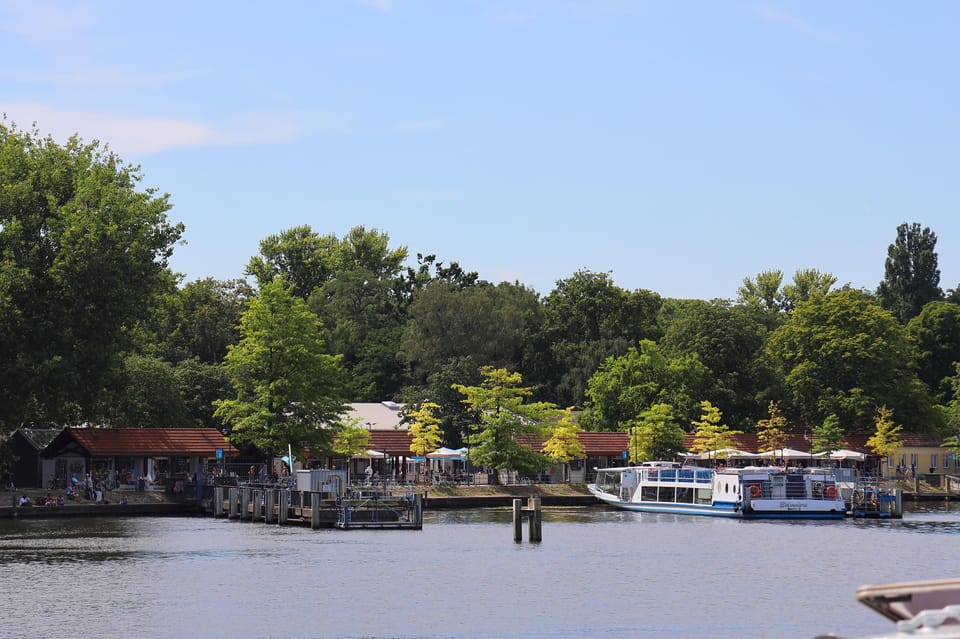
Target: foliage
<point>709,433</point>
<point>842,354</point>
<point>762,293</point>
<point>351,439</point>
<point>287,386</point>
<point>936,332</point>
<point>911,275</point>
<point>586,319</point>
<point>886,438</point>
<point>502,420</point>
<point>83,260</point>
<point>771,432</point>
<point>729,342</point>
<point>625,386</point>
<point>655,434</point>
<point>203,319</point>
<point>150,395</point>
<point>425,433</point>
<point>563,443</point>
<point>828,436</point>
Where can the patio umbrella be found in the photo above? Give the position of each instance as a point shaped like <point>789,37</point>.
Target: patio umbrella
<point>844,454</point>
<point>784,453</point>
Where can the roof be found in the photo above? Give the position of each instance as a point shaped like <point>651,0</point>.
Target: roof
<point>186,442</point>
<point>38,438</point>
<point>376,415</point>
<point>395,443</point>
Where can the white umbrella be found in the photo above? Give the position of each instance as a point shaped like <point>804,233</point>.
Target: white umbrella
<point>447,453</point>
<point>721,453</point>
<point>784,453</point>
<point>844,454</point>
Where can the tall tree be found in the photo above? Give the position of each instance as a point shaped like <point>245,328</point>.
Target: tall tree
<point>301,256</point>
<point>626,386</point>
<point>655,434</point>
<point>842,354</point>
<point>586,319</point>
<point>828,436</point>
<point>83,259</point>
<point>425,433</point>
<point>936,332</point>
<point>503,418</point>
<point>886,438</point>
<point>911,275</point>
<point>287,385</point>
<point>762,293</point>
<point>771,431</point>
<point>710,433</point>
<point>564,443</point>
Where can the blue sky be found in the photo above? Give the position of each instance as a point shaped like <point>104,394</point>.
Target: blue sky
<point>682,146</point>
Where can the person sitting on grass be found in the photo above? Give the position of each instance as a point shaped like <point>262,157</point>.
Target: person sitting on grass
<point>25,502</point>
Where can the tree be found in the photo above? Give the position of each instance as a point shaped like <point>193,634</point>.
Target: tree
<point>203,319</point>
<point>586,319</point>
<point>83,260</point>
<point>806,283</point>
<point>729,341</point>
<point>287,386</point>
<point>709,433</point>
<point>936,332</point>
<point>625,386</point>
<point>564,443</point>
<point>762,293</point>
<point>911,275</point>
<point>300,256</point>
<point>842,354</point>
<point>351,439</point>
<point>150,395</point>
<point>425,433</point>
<point>886,437</point>
<point>503,419</point>
<point>770,431</point>
<point>655,434</point>
<point>828,436</point>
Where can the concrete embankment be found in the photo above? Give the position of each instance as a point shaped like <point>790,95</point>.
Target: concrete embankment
<point>102,510</point>
<point>503,501</point>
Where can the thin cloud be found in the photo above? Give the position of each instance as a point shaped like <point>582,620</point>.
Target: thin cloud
<point>777,15</point>
<point>145,135</point>
<point>39,20</point>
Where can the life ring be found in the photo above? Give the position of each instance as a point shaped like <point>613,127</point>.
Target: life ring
<point>830,492</point>
<point>754,491</point>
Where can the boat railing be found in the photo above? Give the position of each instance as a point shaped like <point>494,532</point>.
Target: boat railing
<point>681,475</point>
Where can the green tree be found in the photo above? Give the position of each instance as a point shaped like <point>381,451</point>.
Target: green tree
<point>842,354</point>
<point>586,319</point>
<point>425,433</point>
<point>300,256</point>
<point>806,283</point>
<point>729,341</point>
<point>655,434</point>
<point>83,260</point>
<point>200,386</point>
<point>762,293</point>
<point>771,433</point>
<point>564,443</point>
<point>886,438</point>
<point>351,439</point>
<point>203,319</point>
<point>828,436</point>
<point>709,433</point>
<point>503,419</point>
<point>911,275</point>
<point>936,332</point>
<point>287,386</point>
<point>625,386</point>
<point>150,397</point>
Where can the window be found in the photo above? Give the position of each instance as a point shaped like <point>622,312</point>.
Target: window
<point>933,461</point>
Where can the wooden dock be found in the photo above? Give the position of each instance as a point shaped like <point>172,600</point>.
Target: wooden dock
<point>366,508</point>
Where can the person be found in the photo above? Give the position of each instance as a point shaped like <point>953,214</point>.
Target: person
<point>25,502</point>
<point>368,472</point>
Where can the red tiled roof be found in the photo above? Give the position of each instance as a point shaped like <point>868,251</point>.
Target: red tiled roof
<point>147,441</point>
<point>395,443</point>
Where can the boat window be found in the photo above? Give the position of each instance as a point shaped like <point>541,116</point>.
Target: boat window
<point>703,495</point>
<point>648,493</point>
<point>684,495</point>
<point>667,493</point>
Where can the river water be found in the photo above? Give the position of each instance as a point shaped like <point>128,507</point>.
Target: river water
<point>597,573</point>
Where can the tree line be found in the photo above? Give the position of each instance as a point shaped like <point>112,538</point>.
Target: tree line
<point>96,328</point>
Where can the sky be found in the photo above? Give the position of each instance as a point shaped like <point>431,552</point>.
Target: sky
<point>679,146</point>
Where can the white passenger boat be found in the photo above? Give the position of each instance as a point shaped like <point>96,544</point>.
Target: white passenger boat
<point>754,492</point>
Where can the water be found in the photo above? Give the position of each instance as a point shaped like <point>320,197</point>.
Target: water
<point>597,573</point>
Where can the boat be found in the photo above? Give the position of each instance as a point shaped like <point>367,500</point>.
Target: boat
<point>929,609</point>
<point>747,493</point>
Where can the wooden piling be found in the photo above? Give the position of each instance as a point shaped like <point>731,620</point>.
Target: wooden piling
<point>533,513</point>
<point>234,503</point>
<point>217,501</point>
<point>284,507</point>
<point>314,510</point>
<point>271,503</point>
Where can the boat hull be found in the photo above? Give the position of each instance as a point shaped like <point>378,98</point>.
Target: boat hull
<point>730,510</point>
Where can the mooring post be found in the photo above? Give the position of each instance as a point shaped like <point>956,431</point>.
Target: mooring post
<point>244,502</point>
<point>314,510</point>
<point>284,507</point>
<point>217,501</point>
<point>518,520</point>
<point>536,527</point>
<point>234,499</point>
<point>271,502</point>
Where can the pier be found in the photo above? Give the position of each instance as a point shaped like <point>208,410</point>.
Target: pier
<point>321,499</point>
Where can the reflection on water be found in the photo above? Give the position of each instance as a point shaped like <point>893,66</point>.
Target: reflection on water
<point>597,572</point>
